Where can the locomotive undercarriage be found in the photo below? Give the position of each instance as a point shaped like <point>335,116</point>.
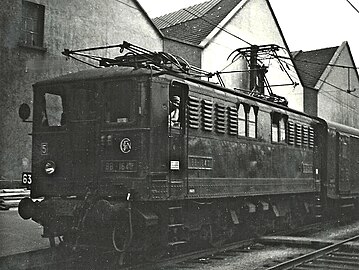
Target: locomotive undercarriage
<point>150,230</point>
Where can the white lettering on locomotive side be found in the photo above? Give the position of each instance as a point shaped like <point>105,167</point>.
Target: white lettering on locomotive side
<point>200,163</point>
<point>115,166</point>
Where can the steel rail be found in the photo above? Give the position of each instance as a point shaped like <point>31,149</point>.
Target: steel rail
<point>311,256</point>
<point>60,258</point>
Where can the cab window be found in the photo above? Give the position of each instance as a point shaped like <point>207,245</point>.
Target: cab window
<point>54,110</point>
<point>84,104</point>
<point>119,102</point>
<point>51,109</point>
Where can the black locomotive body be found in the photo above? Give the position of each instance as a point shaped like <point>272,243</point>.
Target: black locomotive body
<point>113,168</point>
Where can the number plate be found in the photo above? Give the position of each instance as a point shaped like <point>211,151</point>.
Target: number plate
<point>109,166</point>
<point>26,178</point>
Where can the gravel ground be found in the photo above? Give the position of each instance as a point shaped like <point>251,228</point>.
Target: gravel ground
<point>257,257</point>
<point>252,260</point>
<point>340,231</point>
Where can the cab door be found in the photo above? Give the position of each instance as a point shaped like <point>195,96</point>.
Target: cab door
<point>178,138</point>
<point>343,165</point>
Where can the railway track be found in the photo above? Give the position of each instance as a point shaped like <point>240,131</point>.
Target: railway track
<point>338,255</point>
<point>59,258</point>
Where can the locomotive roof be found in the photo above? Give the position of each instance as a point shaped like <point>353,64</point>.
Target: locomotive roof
<point>343,129</point>
<point>98,73</point>
<point>113,71</point>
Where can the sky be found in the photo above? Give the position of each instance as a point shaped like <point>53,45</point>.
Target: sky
<point>306,24</point>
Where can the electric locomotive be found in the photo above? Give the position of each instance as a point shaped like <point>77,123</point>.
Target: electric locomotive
<point>142,158</point>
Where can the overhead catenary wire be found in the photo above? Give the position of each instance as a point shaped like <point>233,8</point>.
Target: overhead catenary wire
<point>325,82</point>
<point>277,56</point>
<point>216,26</point>
<point>320,64</point>
<point>353,6</point>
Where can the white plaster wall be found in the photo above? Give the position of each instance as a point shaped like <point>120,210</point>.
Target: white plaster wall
<point>253,23</point>
<point>69,24</point>
<point>334,103</point>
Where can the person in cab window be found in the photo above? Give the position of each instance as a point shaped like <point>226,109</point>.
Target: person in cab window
<point>175,102</point>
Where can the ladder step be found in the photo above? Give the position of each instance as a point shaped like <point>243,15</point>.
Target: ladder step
<point>177,243</point>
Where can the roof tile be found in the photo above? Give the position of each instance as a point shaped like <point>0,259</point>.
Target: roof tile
<point>311,64</point>
<point>195,23</point>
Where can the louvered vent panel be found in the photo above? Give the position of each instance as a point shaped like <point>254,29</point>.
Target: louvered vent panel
<point>298,134</point>
<point>207,121</point>
<point>305,135</point>
<point>291,133</point>
<point>311,137</point>
<point>220,118</point>
<point>232,121</point>
<point>193,109</point>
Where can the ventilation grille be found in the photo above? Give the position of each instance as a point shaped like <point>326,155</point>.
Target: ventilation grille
<point>220,118</point>
<point>311,137</point>
<point>298,134</point>
<point>207,108</point>
<point>291,133</point>
<point>232,120</point>
<point>305,133</point>
<point>193,108</point>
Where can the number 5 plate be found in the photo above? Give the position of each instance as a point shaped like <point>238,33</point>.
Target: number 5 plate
<point>26,178</point>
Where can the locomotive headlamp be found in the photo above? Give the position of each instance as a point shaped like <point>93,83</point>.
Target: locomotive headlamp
<point>50,167</point>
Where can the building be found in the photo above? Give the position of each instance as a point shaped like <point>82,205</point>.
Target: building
<point>206,34</point>
<point>331,84</point>
<point>33,35</point>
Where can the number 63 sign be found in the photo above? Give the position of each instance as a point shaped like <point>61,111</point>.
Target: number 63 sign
<point>26,178</point>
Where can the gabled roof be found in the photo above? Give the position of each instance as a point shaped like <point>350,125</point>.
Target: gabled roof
<point>312,64</point>
<point>182,15</point>
<point>195,23</point>
<point>140,8</point>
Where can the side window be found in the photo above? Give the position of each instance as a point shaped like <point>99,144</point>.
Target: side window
<point>242,115</point>
<point>178,100</point>
<point>282,129</point>
<point>84,107</point>
<point>275,128</point>
<point>32,27</point>
<point>279,123</point>
<point>175,111</point>
<point>252,123</point>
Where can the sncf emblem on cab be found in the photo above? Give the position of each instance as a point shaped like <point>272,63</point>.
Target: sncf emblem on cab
<point>125,145</point>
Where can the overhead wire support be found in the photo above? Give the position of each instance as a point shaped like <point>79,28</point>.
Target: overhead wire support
<point>138,57</point>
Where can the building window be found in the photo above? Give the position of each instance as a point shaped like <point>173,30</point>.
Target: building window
<point>32,28</point>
